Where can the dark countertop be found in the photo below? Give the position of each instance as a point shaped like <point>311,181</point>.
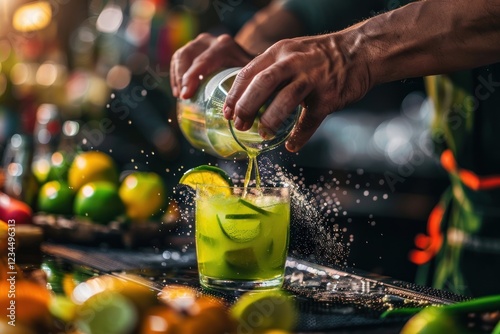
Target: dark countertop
<point>330,300</point>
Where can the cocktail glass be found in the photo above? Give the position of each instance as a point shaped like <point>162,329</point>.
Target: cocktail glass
<point>242,236</point>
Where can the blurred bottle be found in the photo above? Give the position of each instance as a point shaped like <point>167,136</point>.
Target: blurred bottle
<point>46,135</point>
<point>69,141</point>
<point>20,182</point>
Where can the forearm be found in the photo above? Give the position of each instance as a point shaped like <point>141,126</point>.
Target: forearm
<point>424,38</point>
<point>268,26</point>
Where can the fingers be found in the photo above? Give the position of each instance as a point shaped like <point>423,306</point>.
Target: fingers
<point>283,105</point>
<point>251,89</point>
<point>221,52</point>
<point>308,123</point>
<point>200,58</point>
<point>181,62</point>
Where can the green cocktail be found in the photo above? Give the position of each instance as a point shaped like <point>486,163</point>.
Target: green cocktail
<point>242,236</point>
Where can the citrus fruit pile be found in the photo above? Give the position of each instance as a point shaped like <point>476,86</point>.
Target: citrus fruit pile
<point>87,303</point>
<point>88,186</point>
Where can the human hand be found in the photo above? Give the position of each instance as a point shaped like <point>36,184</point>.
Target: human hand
<point>201,57</point>
<point>318,72</point>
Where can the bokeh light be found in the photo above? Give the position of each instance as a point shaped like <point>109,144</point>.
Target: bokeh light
<point>118,77</point>
<point>46,75</point>
<point>143,9</point>
<point>32,16</point>
<point>110,19</point>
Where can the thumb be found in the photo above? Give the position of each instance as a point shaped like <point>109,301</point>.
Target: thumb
<point>309,121</point>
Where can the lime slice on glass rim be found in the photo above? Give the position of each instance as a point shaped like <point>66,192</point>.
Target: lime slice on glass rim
<point>265,310</point>
<point>210,175</point>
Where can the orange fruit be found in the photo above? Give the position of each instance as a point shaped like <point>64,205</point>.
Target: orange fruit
<point>208,315</point>
<point>4,237</point>
<point>143,194</point>
<point>162,319</point>
<point>31,301</point>
<point>91,166</point>
<point>179,297</point>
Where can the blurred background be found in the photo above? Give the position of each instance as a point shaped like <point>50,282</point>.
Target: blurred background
<point>93,75</point>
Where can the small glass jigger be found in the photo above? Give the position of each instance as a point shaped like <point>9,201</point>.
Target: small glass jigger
<point>203,124</point>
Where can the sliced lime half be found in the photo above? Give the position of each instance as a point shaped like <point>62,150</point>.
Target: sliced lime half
<point>241,229</point>
<point>266,310</point>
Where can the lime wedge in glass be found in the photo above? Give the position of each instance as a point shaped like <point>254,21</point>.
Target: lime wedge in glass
<point>240,228</point>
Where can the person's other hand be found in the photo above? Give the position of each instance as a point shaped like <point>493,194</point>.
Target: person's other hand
<point>201,57</point>
<point>318,72</point>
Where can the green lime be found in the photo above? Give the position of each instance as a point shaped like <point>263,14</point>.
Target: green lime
<point>206,174</point>
<point>432,320</point>
<point>260,311</point>
<point>55,275</point>
<point>242,228</point>
<point>56,197</point>
<point>62,308</point>
<point>107,312</point>
<point>99,201</point>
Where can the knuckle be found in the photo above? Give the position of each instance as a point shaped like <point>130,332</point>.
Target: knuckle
<point>265,79</point>
<point>281,43</point>
<point>245,73</point>
<point>203,36</point>
<point>224,39</point>
<point>243,111</point>
<point>280,46</point>
<point>230,100</point>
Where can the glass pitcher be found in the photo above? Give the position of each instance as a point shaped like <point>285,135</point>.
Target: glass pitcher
<point>203,124</point>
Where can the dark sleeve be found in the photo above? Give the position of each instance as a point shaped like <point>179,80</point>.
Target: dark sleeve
<point>322,16</point>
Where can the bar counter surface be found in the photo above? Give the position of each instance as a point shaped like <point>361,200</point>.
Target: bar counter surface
<point>329,300</point>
